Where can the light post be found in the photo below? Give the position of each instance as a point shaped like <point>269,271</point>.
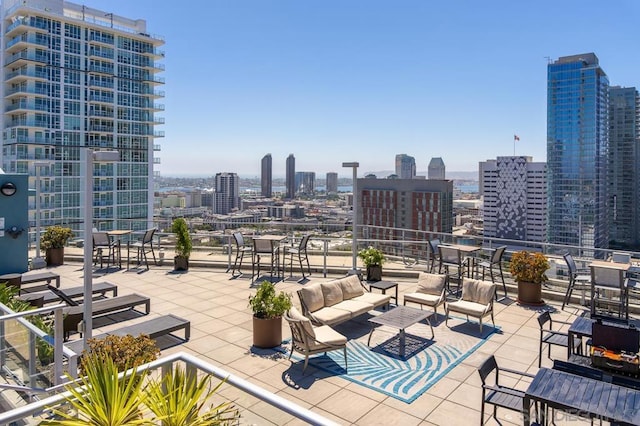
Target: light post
<point>90,156</point>
<point>354,242</point>
<point>38,262</point>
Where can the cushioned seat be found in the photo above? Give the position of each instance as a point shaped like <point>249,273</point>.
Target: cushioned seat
<point>331,315</point>
<point>476,301</point>
<point>355,307</point>
<point>430,291</point>
<point>375,299</point>
<point>309,340</point>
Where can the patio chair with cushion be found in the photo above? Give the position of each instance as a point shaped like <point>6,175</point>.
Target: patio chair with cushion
<point>309,340</point>
<point>430,291</point>
<point>476,300</point>
<point>551,336</point>
<point>498,394</point>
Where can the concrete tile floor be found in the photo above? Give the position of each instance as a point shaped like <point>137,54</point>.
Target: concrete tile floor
<point>221,335</point>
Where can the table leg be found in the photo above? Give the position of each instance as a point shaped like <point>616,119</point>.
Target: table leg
<point>370,333</point>
<point>402,342</point>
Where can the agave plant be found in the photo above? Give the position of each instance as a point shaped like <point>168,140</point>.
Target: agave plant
<point>102,399</point>
<point>178,399</point>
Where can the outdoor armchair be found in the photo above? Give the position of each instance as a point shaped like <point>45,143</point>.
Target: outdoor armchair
<point>430,291</point>
<point>476,300</point>
<point>309,340</point>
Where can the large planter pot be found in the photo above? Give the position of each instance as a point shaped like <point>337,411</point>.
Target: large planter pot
<point>55,256</point>
<point>530,293</point>
<point>267,333</point>
<point>181,263</point>
<point>374,273</point>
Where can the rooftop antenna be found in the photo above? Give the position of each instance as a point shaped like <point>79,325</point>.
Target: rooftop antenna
<point>548,58</point>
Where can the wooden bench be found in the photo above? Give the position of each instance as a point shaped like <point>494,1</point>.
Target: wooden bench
<point>31,278</point>
<point>154,328</point>
<point>74,314</point>
<point>100,288</point>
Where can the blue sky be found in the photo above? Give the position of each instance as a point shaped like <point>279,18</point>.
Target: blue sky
<point>339,80</point>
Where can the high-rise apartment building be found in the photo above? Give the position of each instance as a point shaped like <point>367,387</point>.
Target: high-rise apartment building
<point>405,166</point>
<point>227,193</point>
<point>436,169</point>
<point>266,178</point>
<point>410,204</point>
<point>624,167</point>
<point>514,192</point>
<point>305,183</point>
<point>577,141</point>
<point>77,77</point>
<point>332,183</point>
<point>290,178</point>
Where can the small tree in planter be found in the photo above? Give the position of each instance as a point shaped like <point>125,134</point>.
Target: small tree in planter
<point>52,241</point>
<point>183,244</point>
<point>529,269</point>
<point>373,260</point>
<point>268,308</point>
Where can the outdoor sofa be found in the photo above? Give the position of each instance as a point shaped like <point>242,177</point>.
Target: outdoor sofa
<point>337,301</point>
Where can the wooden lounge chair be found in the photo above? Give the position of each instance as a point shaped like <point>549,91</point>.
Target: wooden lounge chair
<point>73,314</point>
<point>154,328</point>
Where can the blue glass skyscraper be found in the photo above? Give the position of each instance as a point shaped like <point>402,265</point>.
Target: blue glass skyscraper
<point>577,146</point>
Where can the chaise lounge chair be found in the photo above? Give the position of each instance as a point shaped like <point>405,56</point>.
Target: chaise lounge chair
<point>154,328</point>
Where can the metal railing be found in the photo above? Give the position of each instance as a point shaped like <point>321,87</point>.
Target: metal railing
<point>192,364</point>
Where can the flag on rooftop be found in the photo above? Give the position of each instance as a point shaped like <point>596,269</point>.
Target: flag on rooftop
<point>516,137</point>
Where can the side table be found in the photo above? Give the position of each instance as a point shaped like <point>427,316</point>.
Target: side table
<point>384,286</point>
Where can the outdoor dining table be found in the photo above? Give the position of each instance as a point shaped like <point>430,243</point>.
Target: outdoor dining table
<point>582,396</point>
<point>116,235</point>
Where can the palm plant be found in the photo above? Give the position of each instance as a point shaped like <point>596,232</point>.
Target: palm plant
<point>102,399</point>
<point>178,399</point>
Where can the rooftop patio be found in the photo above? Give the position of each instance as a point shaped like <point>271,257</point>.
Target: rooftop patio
<point>221,333</point>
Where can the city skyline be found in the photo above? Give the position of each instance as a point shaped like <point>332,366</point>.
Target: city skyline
<point>367,80</point>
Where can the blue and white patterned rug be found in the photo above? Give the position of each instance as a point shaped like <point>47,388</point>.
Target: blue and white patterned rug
<point>379,365</point>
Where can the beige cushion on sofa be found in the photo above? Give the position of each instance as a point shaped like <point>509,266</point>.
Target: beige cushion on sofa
<point>332,293</point>
<point>478,291</point>
<point>375,299</point>
<point>356,307</point>
<point>295,314</point>
<point>312,297</point>
<point>351,287</point>
<point>431,283</point>
<point>331,315</point>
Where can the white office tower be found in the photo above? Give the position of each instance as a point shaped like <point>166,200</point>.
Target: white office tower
<point>515,198</point>
<point>77,77</point>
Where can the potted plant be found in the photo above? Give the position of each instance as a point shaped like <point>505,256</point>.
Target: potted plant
<point>183,244</point>
<point>373,260</point>
<point>268,308</point>
<point>53,240</point>
<point>528,270</point>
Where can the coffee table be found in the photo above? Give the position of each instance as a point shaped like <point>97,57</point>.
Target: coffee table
<point>401,318</point>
